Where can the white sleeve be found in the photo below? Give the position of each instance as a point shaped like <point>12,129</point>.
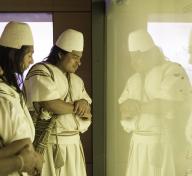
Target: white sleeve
<point>175,84</point>
<point>83,124</point>
<point>128,125</point>
<point>125,94</point>
<point>188,129</point>
<point>78,89</point>
<point>39,85</point>
<point>12,127</point>
<point>6,125</point>
<point>85,95</point>
<point>79,92</point>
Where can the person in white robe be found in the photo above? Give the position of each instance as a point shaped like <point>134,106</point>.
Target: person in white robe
<point>16,126</point>
<point>149,104</point>
<point>54,90</point>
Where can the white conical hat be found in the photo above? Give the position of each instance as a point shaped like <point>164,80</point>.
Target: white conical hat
<point>140,40</point>
<point>71,40</point>
<point>16,34</point>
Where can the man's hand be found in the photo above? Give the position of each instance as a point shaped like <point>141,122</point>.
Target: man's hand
<point>33,161</point>
<point>29,160</point>
<point>130,108</point>
<point>38,165</point>
<point>86,116</point>
<point>81,107</point>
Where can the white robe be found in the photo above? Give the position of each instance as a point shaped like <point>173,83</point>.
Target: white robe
<point>15,120</point>
<point>45,89</point>
<point>150,152</point>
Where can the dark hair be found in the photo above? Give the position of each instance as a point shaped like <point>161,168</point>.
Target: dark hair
<point>10,61</point>
<point>53,57</point>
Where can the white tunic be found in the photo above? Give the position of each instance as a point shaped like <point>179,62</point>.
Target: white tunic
<point>150,150</point>
<point>44,88</point>
<point>15,120</point>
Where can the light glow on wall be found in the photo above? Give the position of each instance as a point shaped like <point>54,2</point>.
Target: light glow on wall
<point>175,41</point>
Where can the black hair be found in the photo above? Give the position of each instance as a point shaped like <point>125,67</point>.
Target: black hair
<point>53,57</point>
<point>10,61</point>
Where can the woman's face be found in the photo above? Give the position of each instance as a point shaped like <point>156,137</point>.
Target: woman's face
<point>27,59</point>
<point>70,62</point>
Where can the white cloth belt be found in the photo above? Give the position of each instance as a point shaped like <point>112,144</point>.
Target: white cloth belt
<point>146,137</point>
<point>74,139</point>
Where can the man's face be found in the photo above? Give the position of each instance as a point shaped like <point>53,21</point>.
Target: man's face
<point>70,62</point>
<point>142,61</point>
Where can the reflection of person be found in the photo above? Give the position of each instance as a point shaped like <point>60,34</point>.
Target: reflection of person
<point>148,106</point>
<point>16,127</point>
<point>188,133</point>
<point>60,94</point>
<point>190,48</point>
